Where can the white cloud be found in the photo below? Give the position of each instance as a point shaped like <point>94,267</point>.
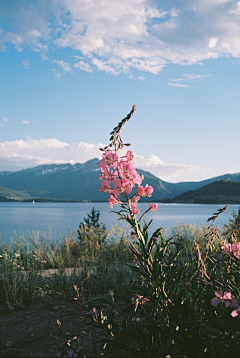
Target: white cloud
<point>178,85</point>
<point>122,35</point>
<point>177,80</point>
<point>159,168</point>
<point>64,65</point>
<point>236,11</point>
<point>4,119</point>
<point>25,122</point>
<point>20,154</point>
<point>83,66</point>
<point>187,77</point>
<point>212,42</point>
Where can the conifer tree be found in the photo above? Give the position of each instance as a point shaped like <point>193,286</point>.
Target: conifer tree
<point>91,233</point>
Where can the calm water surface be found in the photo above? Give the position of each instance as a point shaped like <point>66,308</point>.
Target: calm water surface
<point>57,219</point>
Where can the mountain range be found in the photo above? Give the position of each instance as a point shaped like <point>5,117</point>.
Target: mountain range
<point>79,182</point>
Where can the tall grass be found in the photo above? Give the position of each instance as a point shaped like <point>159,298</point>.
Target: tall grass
<point>35,269</point>
<point>23,263</point>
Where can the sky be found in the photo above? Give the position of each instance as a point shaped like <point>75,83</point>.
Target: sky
<point>71,70</point>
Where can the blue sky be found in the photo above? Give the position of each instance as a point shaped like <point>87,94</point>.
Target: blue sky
<point>71,70</point>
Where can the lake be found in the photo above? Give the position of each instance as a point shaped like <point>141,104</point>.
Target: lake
<point>58,219</point>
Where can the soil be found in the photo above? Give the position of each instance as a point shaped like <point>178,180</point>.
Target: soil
<point>34,331</point>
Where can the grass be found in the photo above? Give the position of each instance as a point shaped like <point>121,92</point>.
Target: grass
<point>36,269</point>
<point>95,262</point>
<point>27,266</point>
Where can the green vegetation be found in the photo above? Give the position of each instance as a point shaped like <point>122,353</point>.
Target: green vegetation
<point>13,195</point>
<point>129,318</point>
<point>36,269</point>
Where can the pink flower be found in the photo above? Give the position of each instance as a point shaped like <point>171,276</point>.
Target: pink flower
<point>235,313</point>
<point>137,179</point>
<point>129,155</point>
<point>141,190</point>
<point>135,210</point>
<point>111,158</point>
<point>105,187</point>
<point>221,297</point>
<point>112,201</point>
<point>235,304</point>
<point>148,190</point>
<point>115,192</point>
<point>232,248</point>
<point>153,206</point>
<point>228,248</point>
<point>136,199</point>
<point>236,249</point>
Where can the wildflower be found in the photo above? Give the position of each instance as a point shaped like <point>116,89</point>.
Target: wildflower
<point>136,199</point>
<point>105,186</point>
<point>135,210</point>
<point>112,201</point>
<point>148,189</point>
<point>228,248</point>
<point>225,297</point>
<point>129,155</point>
<point>236,249</point>
<point>153,207</point>
<point>232,248</point>
<point>141,190</point>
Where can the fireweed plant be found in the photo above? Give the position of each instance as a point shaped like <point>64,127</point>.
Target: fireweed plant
<point>174,311</point>
<point>118,169</point>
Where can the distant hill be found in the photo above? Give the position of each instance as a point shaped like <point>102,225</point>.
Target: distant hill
<point>13,195</point>
<point>80,182</point>
<point>219,192</point>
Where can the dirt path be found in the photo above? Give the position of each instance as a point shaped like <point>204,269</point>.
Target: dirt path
<point>33,331</point>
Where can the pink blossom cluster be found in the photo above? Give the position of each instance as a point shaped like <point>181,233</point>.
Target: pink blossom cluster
<point>232,248</point>
<point>228,300</point>
<point>123,175</point>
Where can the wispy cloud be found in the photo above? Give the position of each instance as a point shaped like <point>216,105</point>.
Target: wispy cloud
<point>187,77</point>
<point>26,64</point>
<point>121,35</point>
<point>25,122</point>
<point>22,154</point>
<point>236,10</point>
<point>3,120</point>
<point>83,66</point>
<point>63,65</point>
<point>57,74</point>
<point>194,77</point>
<point>178,85</point>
